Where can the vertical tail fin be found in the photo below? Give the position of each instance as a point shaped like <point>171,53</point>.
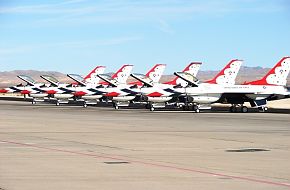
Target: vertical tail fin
<point>156,72</point>
<point>92,77</point>
<point>192,69</point>
<point>228,74</point>
<point>277,75</point>
<point>123,73</point>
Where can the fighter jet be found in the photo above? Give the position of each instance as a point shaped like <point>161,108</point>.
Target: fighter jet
<point>271,87</point>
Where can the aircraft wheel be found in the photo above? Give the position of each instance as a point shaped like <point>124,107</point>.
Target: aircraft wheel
<point>147,106</point>
<point>244,109</point>
<point>263,109</point>
<point>116,106</point>
<point>233,109</point>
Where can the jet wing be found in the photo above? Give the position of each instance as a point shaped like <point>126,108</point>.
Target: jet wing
<point>192,80</point>
<point>108,79</point>
<point>50,79</point>
<point>143,78</point>
<point>30,81</point>
<point>79,79</point>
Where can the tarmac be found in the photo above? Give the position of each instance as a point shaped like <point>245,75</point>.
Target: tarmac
<point>47,147</point>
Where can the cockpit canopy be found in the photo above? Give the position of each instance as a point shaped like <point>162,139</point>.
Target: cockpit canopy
<point>143,78</point>
<point>27,79</point>
<point>192,80</point>
<point>78,78</point>
<point>105,77</point>
<point>50,79</point>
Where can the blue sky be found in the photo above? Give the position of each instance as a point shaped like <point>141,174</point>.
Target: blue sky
<point>73,36</point>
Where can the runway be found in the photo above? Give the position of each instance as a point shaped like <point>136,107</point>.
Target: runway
<point>70,147</point>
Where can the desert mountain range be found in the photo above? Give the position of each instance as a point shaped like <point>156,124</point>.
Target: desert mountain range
<point>9,78</point>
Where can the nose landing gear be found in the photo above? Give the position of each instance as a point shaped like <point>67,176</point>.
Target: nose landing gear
<point>263,109</point>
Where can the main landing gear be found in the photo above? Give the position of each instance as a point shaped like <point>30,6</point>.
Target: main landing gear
<point>239,108</point>
<point>194,108</point>
<point>34,100</point>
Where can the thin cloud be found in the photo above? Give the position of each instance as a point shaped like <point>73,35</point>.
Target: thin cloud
<point>146,7</point>
<point>79,12</point>
<point>51,8</point>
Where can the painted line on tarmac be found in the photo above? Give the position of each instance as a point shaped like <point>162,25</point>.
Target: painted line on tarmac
<point>261,181</point>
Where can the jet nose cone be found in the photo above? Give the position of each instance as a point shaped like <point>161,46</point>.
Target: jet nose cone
<point>3,91</point>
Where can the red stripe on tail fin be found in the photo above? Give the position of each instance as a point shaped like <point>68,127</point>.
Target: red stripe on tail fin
<point>228,74</point>
<point>156,72</point>
<point>123,73</point>
<point>92,76</point>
